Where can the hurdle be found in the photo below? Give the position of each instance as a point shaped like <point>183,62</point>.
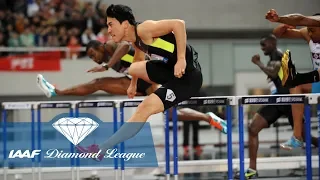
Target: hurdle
<point>306,99</point>
<point>201,165</point>
<point>54,105</point>
<point>99,104</point>
<point>227,101</point>
<point>17,106</point>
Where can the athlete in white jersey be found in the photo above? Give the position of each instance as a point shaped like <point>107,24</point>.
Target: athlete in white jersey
<point>299,82</point>
<point>315,53</point>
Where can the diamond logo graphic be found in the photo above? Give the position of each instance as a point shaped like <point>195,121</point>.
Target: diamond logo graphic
<point>75,129</point>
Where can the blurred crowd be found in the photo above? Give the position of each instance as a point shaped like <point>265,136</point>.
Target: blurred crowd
<point>51,23</point>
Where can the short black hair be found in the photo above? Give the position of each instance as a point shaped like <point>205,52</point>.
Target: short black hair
<point>93,44</point>
<point>269,37</point>
<point>317,14</point>
<point>121,13</point>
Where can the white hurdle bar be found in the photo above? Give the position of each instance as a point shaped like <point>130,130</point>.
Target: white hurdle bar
<point>307,99</point>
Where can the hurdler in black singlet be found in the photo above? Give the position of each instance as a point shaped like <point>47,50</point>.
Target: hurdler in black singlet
<point>275,83</point>
<point>164,48</point>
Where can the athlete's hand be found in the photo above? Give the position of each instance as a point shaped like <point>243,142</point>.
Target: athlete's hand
<point>131,91</point>
<point>97,69</point>
<point>272,15</point>
<point>256,59</point>
<point>179,68</point>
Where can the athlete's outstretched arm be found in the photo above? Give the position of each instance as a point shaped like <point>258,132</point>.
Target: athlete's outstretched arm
<point>293,19</point>
<point>300,20</point>
<point>285,31</point>
<point>120,49</point>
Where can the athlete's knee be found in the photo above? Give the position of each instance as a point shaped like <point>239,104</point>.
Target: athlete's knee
<point>256,125</point>
<point>135,68</point>
<point>151,105</point>
<point>252,128</point>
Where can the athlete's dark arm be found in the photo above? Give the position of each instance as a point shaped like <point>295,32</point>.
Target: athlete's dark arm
<point>284,31</point>
<point>150,29</point>
<point>300,20</point>
<point>120,49</point>
<point>293,19</point>
<point>271,69</point>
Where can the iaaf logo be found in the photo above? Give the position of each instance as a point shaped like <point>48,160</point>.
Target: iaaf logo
<point>26,154</point>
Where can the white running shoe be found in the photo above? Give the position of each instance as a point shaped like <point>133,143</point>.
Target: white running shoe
<point>219,123</point>
<point>45,86</point>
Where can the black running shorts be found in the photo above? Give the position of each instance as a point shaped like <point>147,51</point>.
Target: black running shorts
<point>173,89</point>
<point>271,113</point>
<point>142,86</point>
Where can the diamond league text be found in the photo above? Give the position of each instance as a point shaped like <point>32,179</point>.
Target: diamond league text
<point>55,153</point>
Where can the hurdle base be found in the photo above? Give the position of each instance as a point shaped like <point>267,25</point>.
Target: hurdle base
<point>176,177</point>
<point>122,174</point>
<point>201,166</point>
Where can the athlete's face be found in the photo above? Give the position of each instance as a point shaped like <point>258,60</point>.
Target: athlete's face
<point>117,30</point>
<point>266,46</point>
<point>95,55</point>
<point>314,33</point>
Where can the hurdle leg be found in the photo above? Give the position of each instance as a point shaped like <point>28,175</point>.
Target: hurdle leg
<point>241,140</point>
<point>229,141</point>
<point>77,111</point>
<point>33,140</point>
<point>167,145</point>
<point>4,134</point>
<point>318,114</point>
<point>115,128</point>
<point>39,139</point>
<point>307,109</point>
<point>72,151</point>
<point>122,144</point>
<point>175,142</point>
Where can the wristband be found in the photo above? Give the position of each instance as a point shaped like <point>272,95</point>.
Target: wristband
<point>105,65</point>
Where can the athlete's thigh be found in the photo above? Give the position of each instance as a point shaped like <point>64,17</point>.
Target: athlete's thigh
<point>139,69</point>
<point>180,89</point>
<point>114,85</point>
<point>270,113</point>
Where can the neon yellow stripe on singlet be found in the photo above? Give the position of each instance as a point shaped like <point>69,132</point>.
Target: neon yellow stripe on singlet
<point>127,58</point>
<point>162,44</point>
<point>285,59</point>
<point>280,73</point>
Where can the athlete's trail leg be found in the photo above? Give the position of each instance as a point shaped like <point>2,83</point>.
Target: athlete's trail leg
<point>297,113</point>
<point>115,86</point>
<point>258,123</point>
<point>188,114</point>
